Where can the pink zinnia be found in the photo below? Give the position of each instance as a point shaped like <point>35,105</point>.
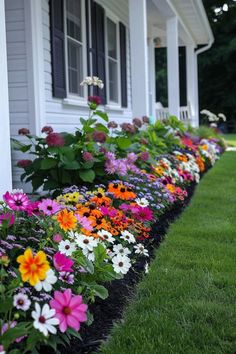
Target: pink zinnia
<point>16,201</point>
<point>49,207</point>
<point>70,309</point>
<point>8,217</point>
<point>143,213</point>
<point>55,139</point>
<point>62,263</point>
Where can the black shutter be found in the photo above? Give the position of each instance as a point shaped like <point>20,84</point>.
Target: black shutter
<point>123,68</point>
<point>97,47</point>
<point>57,48</point>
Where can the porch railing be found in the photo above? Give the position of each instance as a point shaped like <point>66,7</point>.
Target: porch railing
<point>163,113</point>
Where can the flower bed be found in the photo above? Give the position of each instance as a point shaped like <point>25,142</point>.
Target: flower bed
<point>60,254</point>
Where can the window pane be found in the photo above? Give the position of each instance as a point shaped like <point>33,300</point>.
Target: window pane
<point>75,69</point>
<point>111,39</point>
<point>113,82</point>
<point>74,26</point>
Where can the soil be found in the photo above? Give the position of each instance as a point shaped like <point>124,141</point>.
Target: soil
<point>107,312</point>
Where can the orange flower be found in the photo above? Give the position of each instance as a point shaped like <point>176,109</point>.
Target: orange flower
<point>33,268</point>
<point>159,170</point>
<point>182,158</point>
<point>200,163</point>
<point>121,191</point>
<point>100,199</point>
<point>171,188</point>
<point>66,220</point>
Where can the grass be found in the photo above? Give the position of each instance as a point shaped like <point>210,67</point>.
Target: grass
<point>230,139</point>
<point>187,302</point>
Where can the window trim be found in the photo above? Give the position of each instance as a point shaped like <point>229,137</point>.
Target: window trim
<point>109,15</point>
<point>70,95</point>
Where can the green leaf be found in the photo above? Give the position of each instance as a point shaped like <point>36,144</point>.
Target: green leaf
<point>100,127</point>
<point>6,305</point>
<point>66,177</point>
<point>48,163</point>
<point>36,182</point>
<point>100,291</point>
<point>100,253</point>
<point>50,185</point>
<point>74,333</point>
<point>13,333</point>
<point>87,175</point>
<point>123,143</point>
<point>88,164</point>
<point>102,115</point>
<point>73,165</point>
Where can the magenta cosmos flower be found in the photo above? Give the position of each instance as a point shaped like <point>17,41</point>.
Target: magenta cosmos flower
<point>143,213</point>
<point>16,201</point>
<point>62,263</point>
<point>70,309</point>
<point>8,217</point>
<point>49,207</point>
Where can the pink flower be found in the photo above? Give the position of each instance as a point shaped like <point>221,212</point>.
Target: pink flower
<point>62,263</point>
<point>87,156</point>
<point>137,122</point>
<point>95,99</point>
<point>47,129</point>
<point>84,222</point>
<point>131,157</point>
<point>108,212</point>
<point>143,213</point>
<point>16,201</point>
<point>33,208</point>
<point>55,139</point>
<point>70,309</point>
<point>8,217</point>
<point>24,163</point>
<point>144,156</point>
<point>23,131</point>
<point>99,137</point>
<point>49,207</point>
<point>57,238</point>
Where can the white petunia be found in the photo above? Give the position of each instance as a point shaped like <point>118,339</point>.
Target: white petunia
<point>143,202</point>
<point>121,264</point>
<point>86,242</point>
<point>119,249</point>
<point>44,319</point>
<point>127,236</point>
<point>140,249</point>
<point>46,284</point>
<point>21,302</point>
<point>66,247</point>
<point>106,236</point>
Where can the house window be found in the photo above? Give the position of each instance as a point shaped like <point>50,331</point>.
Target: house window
<point>113,77</point>
<point>75,46</point>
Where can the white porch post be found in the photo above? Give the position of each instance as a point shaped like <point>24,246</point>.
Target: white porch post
<point>6,173</point>
<point>139,57</point>
<point>152,78</point>
<point>192,84</point>
<point>173,66</point>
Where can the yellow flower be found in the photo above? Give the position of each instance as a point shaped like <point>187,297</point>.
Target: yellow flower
<point>66,220</point>
<point>33,268</point>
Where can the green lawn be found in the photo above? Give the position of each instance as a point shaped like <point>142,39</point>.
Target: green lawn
<point>187,302</point>
<point>230,139</point>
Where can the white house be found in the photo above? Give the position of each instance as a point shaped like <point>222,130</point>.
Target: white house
<point>49,46</point>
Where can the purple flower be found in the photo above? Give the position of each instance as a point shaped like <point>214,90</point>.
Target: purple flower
<point>66,277</point>
<point>49,207</point>
<point>144,156</point>
<point>131,157</point>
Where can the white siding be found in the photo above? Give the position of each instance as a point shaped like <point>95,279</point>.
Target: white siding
<point>65,117</point>
<point>17,74</point>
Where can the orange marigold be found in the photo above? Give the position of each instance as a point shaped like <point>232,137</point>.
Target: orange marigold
<point>66,220</point>
<point>33,268</point>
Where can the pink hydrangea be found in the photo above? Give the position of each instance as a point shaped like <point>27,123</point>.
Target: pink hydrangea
<point>70,309</point>
<point>55,139</point>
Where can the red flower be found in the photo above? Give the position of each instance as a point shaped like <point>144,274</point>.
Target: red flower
<point>47,129</point>
<point>23,163</point>
<point>87,156</point>
<point>137,122</point>
<point>144,156</point>
<point>95,99</point>
<point>99,137</point>
<point>54,139</point>
<point>23,131</point>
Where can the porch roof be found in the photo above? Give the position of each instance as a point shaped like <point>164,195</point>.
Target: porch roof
<point>194,27</point>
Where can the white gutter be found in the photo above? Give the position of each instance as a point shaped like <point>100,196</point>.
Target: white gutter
<point>207,25</point>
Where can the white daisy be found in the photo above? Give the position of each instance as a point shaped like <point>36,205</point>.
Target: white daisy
<point>88,254</point>
<point>140,249</point>
<point>106,236</point>
<point>121,264</point>
<point>72,235</point>
<point>143,202</point>
<point>66,247</point>
<point>127,236</point>
<point>44,319</point>
<point>119,249</point>
<point>46,284</point>
<point>21,302</point>
<point>86,242</point>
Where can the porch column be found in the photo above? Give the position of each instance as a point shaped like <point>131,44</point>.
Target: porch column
<point>6,173</point>
<point>152,78</point>
<point>173,66</point>
<point>139,57</point>
<point>192,84</point>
